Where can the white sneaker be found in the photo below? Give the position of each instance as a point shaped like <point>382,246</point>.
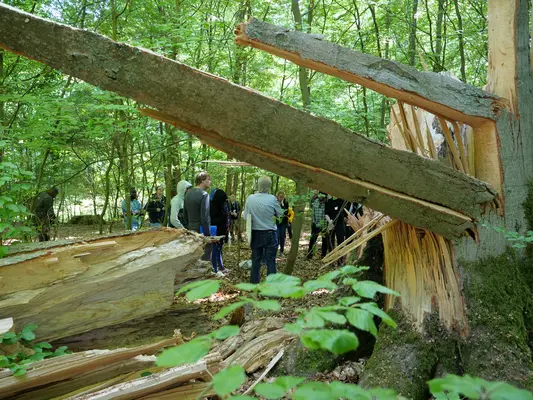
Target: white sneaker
<point>225,271</point>
<point>220,274</point>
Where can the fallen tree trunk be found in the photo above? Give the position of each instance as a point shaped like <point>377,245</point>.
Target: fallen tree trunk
<point>76,288</point>
<point>403,185</point>
<point>436,93</point>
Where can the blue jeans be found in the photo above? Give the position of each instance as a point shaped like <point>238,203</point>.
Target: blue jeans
<point>155,224</point>
<point>216,256</point>
<point>264,243</point>
<point>282,235</point>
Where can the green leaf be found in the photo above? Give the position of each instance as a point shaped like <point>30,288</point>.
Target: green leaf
<point>332,317</point>
<point>44,345</point>
<point>280,278</point>
<point>229,309</point>
<point>226,332</point>
<point>336,341</point>
<point>362,319</point>
<point>18,370</point>
<point>312,319</point>
<point>248,287</point>
<point>348,391</point>
<point>228,380</point>
<point>145,373</point>
<point>241,398</point>
<point>186,353</point>
<point>9,338</point>
<point>278,388</point>
<point>204,290</point>
<point>3,251</point>
<point>352,269</point>
<point>446,396</point>
<point>27,332</point>
<point>61,351</point>
<point>475,388</point>
<point>348,301</point>
<point>313,391</point>
<point>329,276</point>
<point>369,289</point>
<point>374,309</point>
<point>270,305</point>
<point>191,285</point>
<point>311,286</point>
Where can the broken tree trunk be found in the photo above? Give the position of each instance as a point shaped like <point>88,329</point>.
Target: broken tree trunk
<point>436,93</point>
<point>400,184</point>
<point>76,288</point>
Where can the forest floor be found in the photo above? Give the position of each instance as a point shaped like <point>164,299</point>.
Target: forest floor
<point>197,318</point>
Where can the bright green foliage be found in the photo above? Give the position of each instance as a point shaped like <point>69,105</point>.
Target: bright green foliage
<point>17,362</point>
<point>278,388</point>
<point>228,380</point>
<point>200,289</point>
<point>186,353</point>
<point>475,388</point>
<point>14,185</point>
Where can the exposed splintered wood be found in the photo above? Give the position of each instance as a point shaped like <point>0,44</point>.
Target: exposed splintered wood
<point>6,325</point>
<point>151,384</point>
<point>433,92</point>
<point>421,267</point>
<point>257,129</point>
<point>135,364</point>
<point>68,366</point>
<point>95,284</point>
<point>185,392</point>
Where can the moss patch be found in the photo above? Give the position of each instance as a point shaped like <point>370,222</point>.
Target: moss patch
<point>300,361</point>
<point>498,304</point>
<point>402,360</point>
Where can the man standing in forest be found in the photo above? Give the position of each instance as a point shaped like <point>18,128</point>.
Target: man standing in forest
<point>43,211</point>
<point>196,211</point>
<point>263,208</point>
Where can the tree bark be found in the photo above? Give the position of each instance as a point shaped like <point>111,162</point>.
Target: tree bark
<point>412,33</point>
<point>461,39</point>
<point>435,93</point>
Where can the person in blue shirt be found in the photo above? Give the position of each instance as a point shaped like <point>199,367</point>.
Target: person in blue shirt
<point>264,210</point>
<point>135,209</point>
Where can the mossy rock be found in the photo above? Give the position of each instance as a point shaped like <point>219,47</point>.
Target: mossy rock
<point>300,361</point>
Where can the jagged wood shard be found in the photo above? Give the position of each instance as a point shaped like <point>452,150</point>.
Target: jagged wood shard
<point>258,129</point>
<point>436,93</point>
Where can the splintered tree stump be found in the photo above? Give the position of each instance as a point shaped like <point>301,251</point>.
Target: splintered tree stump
<point>79,287</point>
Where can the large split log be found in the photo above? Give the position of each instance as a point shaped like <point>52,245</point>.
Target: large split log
<point>76,288</point>
<point>436,93</point>
<point>258,129</point>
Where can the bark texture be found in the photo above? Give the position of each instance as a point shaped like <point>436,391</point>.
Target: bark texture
<point>435,93</point>
<point>267,133</point>
<point>71,289</point>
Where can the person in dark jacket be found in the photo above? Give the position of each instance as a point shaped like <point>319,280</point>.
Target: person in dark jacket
<point>220,217</point>
<point>196,209</point>
<point>43,211</point>
<point>283,222</point>
<point>156,208</point>
<point>335,217</point>
<point>235,210</point>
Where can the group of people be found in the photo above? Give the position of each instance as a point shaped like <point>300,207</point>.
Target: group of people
<point>212,213</point>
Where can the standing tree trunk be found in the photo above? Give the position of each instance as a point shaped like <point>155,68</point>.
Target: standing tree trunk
<point>412,33</point>
<point>461,39</point>
<point>107,193</point>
